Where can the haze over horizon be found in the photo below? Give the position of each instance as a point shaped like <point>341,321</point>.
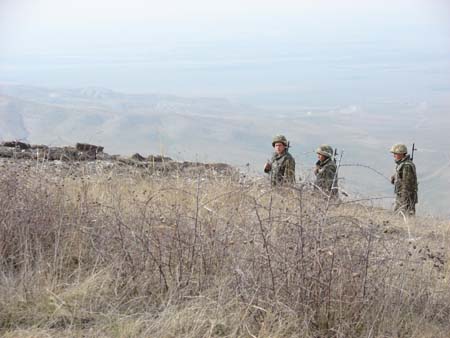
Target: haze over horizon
<point>287,54</point>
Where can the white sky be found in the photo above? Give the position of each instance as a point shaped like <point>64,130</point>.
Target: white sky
<point>204,32</point>
<point>32,20</point>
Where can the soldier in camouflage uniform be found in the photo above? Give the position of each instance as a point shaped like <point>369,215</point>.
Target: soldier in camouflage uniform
<point>326,172</point>
<point>282,165</point>
<point>404,181</point>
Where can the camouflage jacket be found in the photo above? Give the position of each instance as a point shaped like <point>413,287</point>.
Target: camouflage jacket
<point>326,177</point>
<point>405,180</point>
<point>282,169</point>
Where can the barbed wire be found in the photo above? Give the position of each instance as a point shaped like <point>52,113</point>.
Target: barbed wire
<point>366,166</point>
<point>364,199</point>
<point>438,172</point>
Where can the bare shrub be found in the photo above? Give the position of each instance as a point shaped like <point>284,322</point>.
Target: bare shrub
<point>203,254</point>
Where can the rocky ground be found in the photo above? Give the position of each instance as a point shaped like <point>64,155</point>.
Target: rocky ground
<point>90,159</point>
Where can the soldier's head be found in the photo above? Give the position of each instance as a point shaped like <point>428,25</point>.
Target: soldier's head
<point>399,151</point>
<point>324,151</point>
<point>280,143</point>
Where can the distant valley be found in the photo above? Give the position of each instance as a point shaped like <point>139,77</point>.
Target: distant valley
<point>216,129</point>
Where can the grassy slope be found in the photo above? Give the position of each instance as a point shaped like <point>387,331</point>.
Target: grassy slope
<point>107,253</point>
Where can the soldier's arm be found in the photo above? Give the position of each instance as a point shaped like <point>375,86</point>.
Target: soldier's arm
<point>289,173</point>
<point>268,165</point>
<point>329,174</point>
<point>404,193</point>
<point>320,178</point>
<point>317,168</point>
<point>408,180</point>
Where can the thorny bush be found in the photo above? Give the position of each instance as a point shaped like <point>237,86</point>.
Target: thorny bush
<point>337,271</point>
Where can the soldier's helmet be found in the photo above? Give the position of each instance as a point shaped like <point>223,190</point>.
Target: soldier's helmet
<point>325,150</point>
<point>399,149</point>
<point>279,139</point>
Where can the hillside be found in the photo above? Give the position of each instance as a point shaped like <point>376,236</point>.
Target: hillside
<point>102,249</point>
<point>220,130</point>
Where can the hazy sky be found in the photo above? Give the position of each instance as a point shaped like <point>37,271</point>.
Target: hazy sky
<point>276,50</point>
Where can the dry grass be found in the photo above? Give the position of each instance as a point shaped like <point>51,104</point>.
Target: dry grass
<point>205,255</point>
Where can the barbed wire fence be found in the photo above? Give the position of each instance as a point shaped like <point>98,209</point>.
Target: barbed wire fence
<point>367,167</point>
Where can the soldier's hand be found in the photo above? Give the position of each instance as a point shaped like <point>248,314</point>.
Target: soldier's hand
<point>392,179</point>
<point>267,167</point>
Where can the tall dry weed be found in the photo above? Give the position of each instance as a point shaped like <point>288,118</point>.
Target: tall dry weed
<point>204,255</point>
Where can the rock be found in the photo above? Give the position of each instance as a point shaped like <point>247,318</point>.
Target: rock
<point>63,154</point>
<point>158,158</point>
<point>91,148</point>
<point>138,157</point>
<point>16,144</point>
<point>88,152</point>
<point>39,146</point>
<point>218,166</point>
<point>6,151</point>
<point>86,156</point>
<point>69,157</point>
<point>104,157</point>
<point>23,155</point>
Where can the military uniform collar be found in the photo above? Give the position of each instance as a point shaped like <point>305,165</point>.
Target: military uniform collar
<point>404,159</point>
<point>325,162</point>
<point>278,156</point>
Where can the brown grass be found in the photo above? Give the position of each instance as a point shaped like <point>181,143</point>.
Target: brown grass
<point>206,255</point>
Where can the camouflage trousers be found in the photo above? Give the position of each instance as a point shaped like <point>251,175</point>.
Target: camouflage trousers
<point>407,206</point>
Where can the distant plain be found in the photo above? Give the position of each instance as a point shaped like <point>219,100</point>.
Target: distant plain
<point>239,133</point>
